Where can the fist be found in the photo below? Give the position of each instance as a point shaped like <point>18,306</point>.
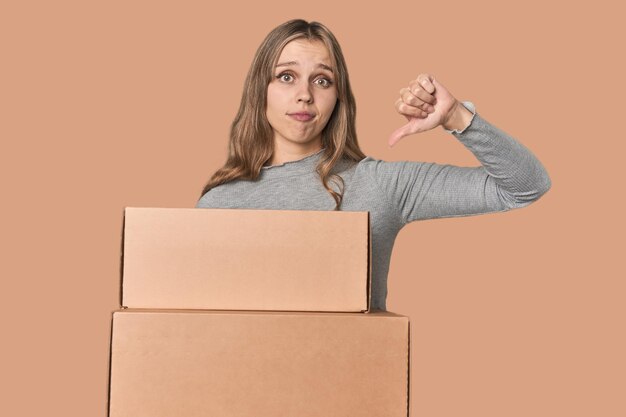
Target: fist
<point>426,104</point>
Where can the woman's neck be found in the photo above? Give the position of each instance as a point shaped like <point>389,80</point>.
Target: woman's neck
<point>282,155</point>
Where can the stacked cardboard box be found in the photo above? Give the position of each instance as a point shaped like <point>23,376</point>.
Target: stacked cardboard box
<point>253,313</point>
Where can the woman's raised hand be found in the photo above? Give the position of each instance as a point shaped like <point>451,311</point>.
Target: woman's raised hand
<point>426,104</point>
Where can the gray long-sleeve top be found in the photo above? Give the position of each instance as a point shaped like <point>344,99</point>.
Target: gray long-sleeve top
<point>396,193</point>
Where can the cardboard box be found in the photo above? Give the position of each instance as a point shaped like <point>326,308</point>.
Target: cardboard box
<point>258,364</point>
<point>227,259</point>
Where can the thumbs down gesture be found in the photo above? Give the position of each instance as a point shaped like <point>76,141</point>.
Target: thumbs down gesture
<point>427,104</point>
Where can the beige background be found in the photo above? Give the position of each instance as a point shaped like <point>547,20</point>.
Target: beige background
<point>128,103</point>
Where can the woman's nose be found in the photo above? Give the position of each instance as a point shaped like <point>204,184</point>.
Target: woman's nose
<point>304,94</point>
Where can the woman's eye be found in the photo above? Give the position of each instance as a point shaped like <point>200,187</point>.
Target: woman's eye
<point>323,82</point>
<point>285,77</point>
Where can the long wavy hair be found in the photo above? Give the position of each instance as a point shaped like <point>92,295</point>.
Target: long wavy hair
<point>251,142</point>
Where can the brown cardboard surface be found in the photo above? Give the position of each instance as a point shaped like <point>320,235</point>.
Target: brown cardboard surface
<point>222,259</point>
<point>206,363</point>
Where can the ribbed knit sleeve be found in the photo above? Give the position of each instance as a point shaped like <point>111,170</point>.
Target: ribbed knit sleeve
<point>509,177</point>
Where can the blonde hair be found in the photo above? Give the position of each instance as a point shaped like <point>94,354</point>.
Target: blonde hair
<point>251,137</point>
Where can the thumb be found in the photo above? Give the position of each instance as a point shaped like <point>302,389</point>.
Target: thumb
<point>399,134</point>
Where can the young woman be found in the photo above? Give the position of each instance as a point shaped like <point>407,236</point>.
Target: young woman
<point>293,146</point>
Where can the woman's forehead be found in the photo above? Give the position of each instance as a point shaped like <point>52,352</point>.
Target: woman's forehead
<point>299,50</point>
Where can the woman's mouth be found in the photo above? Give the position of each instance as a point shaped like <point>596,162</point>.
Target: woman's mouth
<point>302,116</point>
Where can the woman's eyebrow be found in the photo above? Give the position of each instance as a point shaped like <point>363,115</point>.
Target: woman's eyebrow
<point>286,64</point>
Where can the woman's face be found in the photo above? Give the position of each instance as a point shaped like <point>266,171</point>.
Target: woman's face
<point>301,96</point>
